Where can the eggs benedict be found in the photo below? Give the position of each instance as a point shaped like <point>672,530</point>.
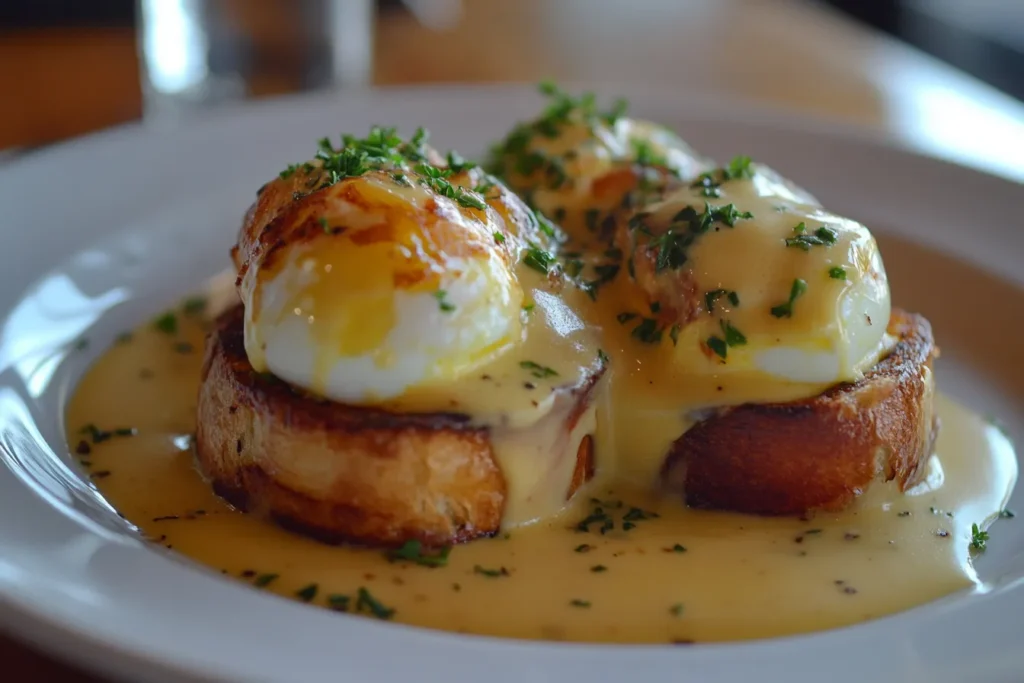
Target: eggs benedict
<point>381,379</point>
<point>419,354</point>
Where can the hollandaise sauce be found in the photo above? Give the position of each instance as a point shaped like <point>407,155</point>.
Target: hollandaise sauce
<point>619,564</point>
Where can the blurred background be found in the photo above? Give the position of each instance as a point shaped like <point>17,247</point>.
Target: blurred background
<point>69,67</point>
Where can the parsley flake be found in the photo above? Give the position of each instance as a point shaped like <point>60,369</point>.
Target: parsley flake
<point>167,323</point>
<point>307,593</point>
<point>366,602</point>
<point>490,573</point>
<point>538,370</point>
<point>442,301</point>
<point>712,297</point>
<point>979,539</point>
<point>264,580</point>
<point>538,259</point>
<point>785,310</point>
<point>822,237</point>
<point>413,551</point>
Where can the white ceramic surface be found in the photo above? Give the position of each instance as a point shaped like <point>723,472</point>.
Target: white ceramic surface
<point>100,233</point>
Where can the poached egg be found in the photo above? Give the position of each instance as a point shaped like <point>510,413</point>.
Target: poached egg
<point>397,278</point>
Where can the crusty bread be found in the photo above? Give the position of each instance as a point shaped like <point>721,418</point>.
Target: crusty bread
<point>819,453</point>
<point>346,473</point>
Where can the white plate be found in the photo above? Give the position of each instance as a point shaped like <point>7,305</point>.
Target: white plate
<point>100,233</point>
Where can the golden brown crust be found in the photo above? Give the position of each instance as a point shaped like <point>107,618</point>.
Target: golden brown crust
<point>822,452</point>
<point>346,473</point>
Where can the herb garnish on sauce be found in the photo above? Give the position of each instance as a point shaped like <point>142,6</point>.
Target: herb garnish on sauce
<point>413,551</point>
<point>797,290</point>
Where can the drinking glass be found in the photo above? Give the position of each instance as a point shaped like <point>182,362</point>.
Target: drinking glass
<point>197,54</point>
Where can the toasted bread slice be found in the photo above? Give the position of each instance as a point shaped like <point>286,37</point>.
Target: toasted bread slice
<point>349,473</point>
<point>822,452</point>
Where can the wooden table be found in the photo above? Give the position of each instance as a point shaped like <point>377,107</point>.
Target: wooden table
<point>786,53</point>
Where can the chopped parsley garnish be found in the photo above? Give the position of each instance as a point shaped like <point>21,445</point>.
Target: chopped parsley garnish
<point>323,223</point>
<point>676,610</point>
<point>733,337</point>
<point>617,111</point>
<point>597,515</point>
<point>484,187</point>
<point>413,551</point>
<point>382,149</point>
<point>583,548</point>
<point>644,154</point>
<point>491,573</point>
<point>673,334</point>
<point>98,435</point>
<point>598,568</point>
<point>350,162</point>
<point>308,593</point>
<point>671,247</point>
<point>457,164</point>
<point>625,317</point>
<point>602,356</point>
<point>442,301</point>
<point>739,167</point>
<point>194,305</point>
<point>366,602</point>
<point>730,337</point>
<point>648,331</point>
<point>837,273</point>
<point>167,323</point>
<point>437,179</point>
<point>635,514</point>
<point>499,237</point>
<point>729,214</point>
<point>514,152</point>
<point>979,539</point>
<point>538,370</point>
<point>264,580</point>
<point>714,295</point>
<point>795,292</point>
<point>538,259</point>
<point>718,346</point>
<point>289,172</point>
<point>546,226</point>
<point>576,602</point>
<point>677,548</point>
<point>686,226</point>
<point>338,602</point>
<point>602,522</point>
<point>605,272</point>
<point>822,237</point>
<point>710,183</point>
